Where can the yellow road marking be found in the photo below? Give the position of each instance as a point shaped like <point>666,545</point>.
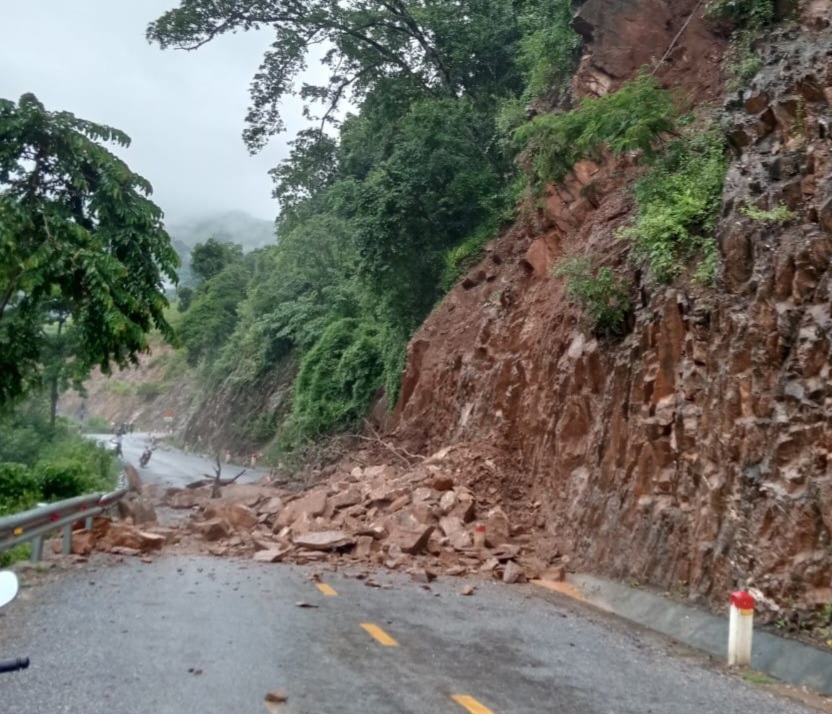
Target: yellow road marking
<point>380,635</point>
<point>326,589</point>
<point>471,704</point>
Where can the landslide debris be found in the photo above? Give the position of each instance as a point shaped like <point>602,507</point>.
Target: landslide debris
<point>424,518</point>
<point>438,515</point>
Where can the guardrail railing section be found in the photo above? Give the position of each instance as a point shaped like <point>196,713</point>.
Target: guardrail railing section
<point>36,523</point>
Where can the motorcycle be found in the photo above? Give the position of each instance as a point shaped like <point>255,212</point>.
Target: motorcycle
<point>145,457</point>
<point>8,592</point>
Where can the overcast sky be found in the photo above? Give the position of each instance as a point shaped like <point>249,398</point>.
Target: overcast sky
<point>183,110</point>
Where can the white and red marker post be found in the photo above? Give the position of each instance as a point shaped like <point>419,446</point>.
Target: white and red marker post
<point>740,628</point>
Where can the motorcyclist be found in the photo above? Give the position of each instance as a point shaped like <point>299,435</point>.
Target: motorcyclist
<point>145,457</point>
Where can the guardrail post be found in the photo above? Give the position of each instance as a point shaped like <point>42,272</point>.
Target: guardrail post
<point>36,551</point>
<point>740,628</point>
<point>88,523</point>
<point>67,545</point>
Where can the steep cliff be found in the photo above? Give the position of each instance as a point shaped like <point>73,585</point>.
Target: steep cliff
<point>694,451</point>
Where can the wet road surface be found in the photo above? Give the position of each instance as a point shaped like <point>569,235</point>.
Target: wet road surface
<point>172,467</point>
<point>188,635</point>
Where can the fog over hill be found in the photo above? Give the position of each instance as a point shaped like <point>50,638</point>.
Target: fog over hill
<point>230,227</point>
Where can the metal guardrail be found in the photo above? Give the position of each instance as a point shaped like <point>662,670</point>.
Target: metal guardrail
<point>34,524</point>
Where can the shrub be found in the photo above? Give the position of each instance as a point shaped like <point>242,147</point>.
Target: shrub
<point>752,14</point>
<point>750,18</point>
<point>742,63</point>
<point>394,355</point>
<point>19,488</point>
<point>678,203</point>
<point>149,390</point>
<point>600,293</point>
<point>64,479</point>
<point>633,118</point>
<point>706,272</point>
<point>19,552</point>
<point>120,388</point>
<point>461,258</point>
<point>338,377</point>
<point>98,464</point>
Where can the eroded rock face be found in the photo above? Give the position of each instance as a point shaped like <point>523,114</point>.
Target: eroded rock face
<point>626,35</point>
<point>695,451</point>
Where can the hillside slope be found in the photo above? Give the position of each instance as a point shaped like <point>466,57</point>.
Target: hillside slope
<point>693,452</point>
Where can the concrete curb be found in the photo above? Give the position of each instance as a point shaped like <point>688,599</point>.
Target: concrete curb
<point>787,660</point>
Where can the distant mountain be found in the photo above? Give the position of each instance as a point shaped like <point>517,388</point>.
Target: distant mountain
<point>231,227</point>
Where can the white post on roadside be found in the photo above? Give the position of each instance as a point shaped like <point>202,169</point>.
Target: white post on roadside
<point>740,628</point>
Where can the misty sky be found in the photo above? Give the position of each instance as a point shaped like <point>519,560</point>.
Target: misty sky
<point>183,110</point>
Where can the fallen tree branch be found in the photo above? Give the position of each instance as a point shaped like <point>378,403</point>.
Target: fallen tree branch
<point>400,453</point>
<point>208,480</point>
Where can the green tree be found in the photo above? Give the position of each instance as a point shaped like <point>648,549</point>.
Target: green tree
<point>211,257</point>
<point>185,296</point>
<point>211,318</point>
<point>418,171</point>
<point>77,226</point>
<point>431,191</point>
<point>338,376</point>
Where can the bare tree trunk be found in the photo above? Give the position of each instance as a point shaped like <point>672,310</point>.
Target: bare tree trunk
<point>53,397</point>
<point>215,488</point>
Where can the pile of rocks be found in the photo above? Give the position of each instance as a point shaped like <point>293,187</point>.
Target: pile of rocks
<point>119,538</point>
<point>416,519</point>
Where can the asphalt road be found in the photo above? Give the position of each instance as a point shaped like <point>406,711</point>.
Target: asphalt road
<point>172,467</point>
<point>212,636</point>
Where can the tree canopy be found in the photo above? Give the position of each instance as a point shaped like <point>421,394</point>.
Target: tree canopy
<point>77,231</point>
<point>405,165</point>
<point>439,48</point>
<point>211,257</point>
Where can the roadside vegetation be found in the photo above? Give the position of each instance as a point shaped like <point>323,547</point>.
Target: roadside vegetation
<point>83,254</point>
<point>43,462</point>
<point>599,292</point>
<point>678,202</point>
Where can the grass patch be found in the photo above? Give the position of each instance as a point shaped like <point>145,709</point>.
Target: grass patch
<point>15,555</point>
<point>776,214</point>
<point>758,677</point>
<point>121,388</point>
